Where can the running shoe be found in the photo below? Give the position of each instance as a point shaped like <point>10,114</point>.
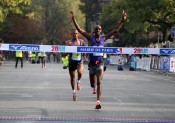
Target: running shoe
<point>78,85</point>
<point>94,91</point>
<point>74,96</point>
<point>98,105</point>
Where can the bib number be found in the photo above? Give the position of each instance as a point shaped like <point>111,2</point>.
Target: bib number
<point>97,54</point>
<point>76,56</point>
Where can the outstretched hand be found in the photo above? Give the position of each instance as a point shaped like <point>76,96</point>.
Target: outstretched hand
<point>71,13</point>
<point>124,15</point>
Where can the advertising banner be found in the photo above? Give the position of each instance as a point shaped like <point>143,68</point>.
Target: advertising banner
<point>172,64</point>
<point>165,63</point>
<point>86,49</point>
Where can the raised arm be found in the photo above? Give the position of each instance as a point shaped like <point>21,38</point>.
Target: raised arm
<point>83,32</point>
<point>116,30</point>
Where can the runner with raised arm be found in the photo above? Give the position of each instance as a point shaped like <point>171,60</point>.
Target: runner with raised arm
<point>96,63</point>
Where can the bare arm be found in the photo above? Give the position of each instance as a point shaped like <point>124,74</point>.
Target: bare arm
<point>83,43</point>
<point>107,36</point>
<point>68,43</point>
<point>84,54</point>
<point>83,32</point>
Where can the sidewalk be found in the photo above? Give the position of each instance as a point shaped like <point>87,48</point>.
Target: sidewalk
<point>165,73</point>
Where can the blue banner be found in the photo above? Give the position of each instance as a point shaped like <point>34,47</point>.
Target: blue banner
<point>164,63</point>
<point>99,50</point>
<point>167,51</point>
<point>24,47</point>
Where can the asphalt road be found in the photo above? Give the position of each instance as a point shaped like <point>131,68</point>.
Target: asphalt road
<point>35,95</point>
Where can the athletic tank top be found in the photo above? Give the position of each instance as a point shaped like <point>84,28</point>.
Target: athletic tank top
<point>94,43</point>
<point>75,56</point>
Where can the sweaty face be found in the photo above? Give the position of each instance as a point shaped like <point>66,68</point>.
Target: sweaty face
<point>75,34</point>
<point>98,30</point>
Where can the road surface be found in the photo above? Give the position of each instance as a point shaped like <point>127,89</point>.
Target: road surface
<point>35,95</point>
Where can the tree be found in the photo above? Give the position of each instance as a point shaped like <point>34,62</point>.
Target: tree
<point>22,30</point>
<point>143,16</point>
<point>55,17</point>
<point>12,6</point>
<point>43,20</point>
<point>91,9</point>
<point>9,8</point>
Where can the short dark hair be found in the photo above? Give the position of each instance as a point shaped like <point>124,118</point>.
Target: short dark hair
<point>97,26</point>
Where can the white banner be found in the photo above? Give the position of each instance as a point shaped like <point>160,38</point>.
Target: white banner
<point>113,60</point>
<point>172,64</point>
<point>86,49</point>
<point>143,63</point>
<point>138,62</point>
<point>146,63</point>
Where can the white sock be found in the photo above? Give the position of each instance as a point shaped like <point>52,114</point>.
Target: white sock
<point>78,81</point>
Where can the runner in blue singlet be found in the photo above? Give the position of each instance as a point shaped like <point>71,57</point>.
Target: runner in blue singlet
<point>96,63</point>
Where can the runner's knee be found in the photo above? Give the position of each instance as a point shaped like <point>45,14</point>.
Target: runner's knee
<point>72,79</point>
<point>92,84</point>
<point>98,83</point>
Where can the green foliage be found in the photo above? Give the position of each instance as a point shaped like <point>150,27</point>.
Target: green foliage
<point>21,29</point>
<point>92,9</point>
<point>143,16</point>
<point>45,20</point>
<point>55,15</point>
<point>51,18</point>
<point>12,6</point>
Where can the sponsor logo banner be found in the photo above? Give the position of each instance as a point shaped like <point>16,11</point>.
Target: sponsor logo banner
<point>99,50</point>
<point>167,51</point>
<point>24,47</point>
<point>164,63</point>
<point>140,50</point>
<point>56,48</point>
<point>61,48</point>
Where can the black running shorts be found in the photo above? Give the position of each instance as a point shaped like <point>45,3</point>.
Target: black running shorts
<point>74,64</point>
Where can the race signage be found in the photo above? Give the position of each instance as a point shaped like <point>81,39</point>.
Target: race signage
<point>24,47</point>
<point>167,51</point>
<point>99,49</point>
<point>86,49</point>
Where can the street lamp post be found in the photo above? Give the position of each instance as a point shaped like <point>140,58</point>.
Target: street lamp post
<point>159,37</point>
<point>93,23</point>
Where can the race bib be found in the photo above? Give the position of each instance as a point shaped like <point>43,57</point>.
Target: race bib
<point>97,54</point>
<point>76,56</point>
